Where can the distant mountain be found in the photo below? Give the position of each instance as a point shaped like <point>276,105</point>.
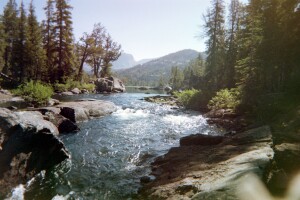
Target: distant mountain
<point>150,72</point>
<point>127,60</point>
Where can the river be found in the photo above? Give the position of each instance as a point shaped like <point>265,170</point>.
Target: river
<point>111,154</point>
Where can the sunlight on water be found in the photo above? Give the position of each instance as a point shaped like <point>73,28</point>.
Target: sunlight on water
<point>111,154</point>
<point>185,120</point>
<point>128,113</point>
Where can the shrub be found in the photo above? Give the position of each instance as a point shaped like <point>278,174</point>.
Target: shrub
<point>70,84</point>
<point>225,99</point>
<point>193,99</point>
<point>35,93</point>
<point>88,86</point>
<point>187,97</point>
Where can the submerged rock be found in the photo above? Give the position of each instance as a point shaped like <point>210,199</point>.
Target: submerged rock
<point>28,145</point>
<point>210,171</point>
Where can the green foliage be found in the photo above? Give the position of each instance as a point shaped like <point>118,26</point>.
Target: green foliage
<point>177,78</point>
<point>225,99</point>
<point>71,84</point>
<point>216,46</point>
<point>194,73</point>
<point>34,67</point>
<point>35,93</point>
<point>103,51</point>
<point>10,24</point>
<point>63,40</point>
<point>2,44</point>
<point>193,99</point>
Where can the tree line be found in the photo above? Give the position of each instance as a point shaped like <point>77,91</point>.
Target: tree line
<point>255,49</point>
<point>47,50</point>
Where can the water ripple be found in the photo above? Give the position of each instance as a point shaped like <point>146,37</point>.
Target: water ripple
<point>110,154</point>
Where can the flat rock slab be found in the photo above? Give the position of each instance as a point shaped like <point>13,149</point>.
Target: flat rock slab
<point>36,119</point>
<point>210,172</point>
<point>84,110</point>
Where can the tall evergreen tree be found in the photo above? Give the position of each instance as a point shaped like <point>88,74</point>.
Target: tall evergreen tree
<point>232,42</point>
<point>177,78</point>
<point>35,54</point>
<point>64,46</point>
<point>289,44</point>
<point>2,44</point>
<point>48,39</point>
<point>215,30</point>
<point>18,53</point>
<point>249,64</point>
<point>10,23</point>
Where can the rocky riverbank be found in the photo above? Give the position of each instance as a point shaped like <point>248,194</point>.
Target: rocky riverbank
<point>164,100</point>
<point>210,168</point>
<point>29,140</point>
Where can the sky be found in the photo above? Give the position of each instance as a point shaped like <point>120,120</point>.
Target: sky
<point>144,28</point>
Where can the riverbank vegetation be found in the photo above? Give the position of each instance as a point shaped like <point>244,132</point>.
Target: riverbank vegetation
<point>35,92</point>
<point>71,84</point>
<point>253,63</point>
<point>46,52</point>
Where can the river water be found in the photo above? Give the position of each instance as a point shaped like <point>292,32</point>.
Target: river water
<point>111,154</point>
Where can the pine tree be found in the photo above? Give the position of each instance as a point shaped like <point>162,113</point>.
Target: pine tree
<point>289,44</point>
<point>18,52</point>
<point>64,46</point>
<point>96,59</point>
<point>194,73</point>
<point>48,40</point>
<point>251,35</point>
<point>112,52</point>
<point>215,30</point>
<point>35,54</point>
<point>2,44</point>
<point>232,42</point>
<point>177,78</point>
<point>105,50</point>
<point>10,23</point>
<point>84,49</point>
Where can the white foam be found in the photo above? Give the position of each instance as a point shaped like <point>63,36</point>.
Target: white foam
<point>61,197</point>
<point>131,113</point>
<point>185,120</point>
<point>17,193</point>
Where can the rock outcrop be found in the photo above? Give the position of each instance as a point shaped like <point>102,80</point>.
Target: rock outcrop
<point>86,109</point>
<point>226,119</point>
<point>199,171</point>
<point>111,84</point>
<point>28,145</point>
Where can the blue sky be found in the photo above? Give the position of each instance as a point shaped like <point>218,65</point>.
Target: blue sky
<point>144,28</point>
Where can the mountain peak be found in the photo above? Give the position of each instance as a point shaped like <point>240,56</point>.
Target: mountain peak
<point>150,72</point>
